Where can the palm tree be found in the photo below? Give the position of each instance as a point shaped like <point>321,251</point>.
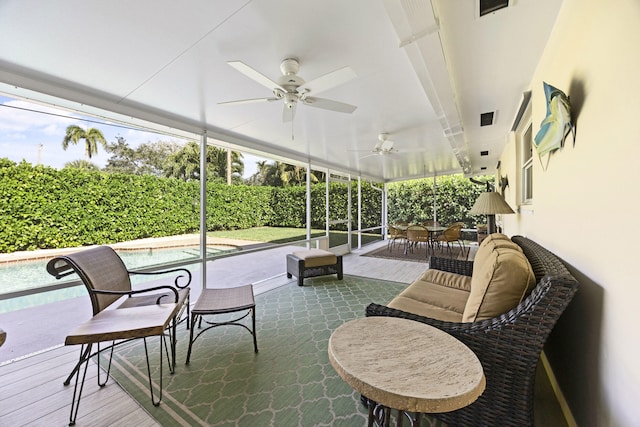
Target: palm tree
<point>185,163</point>
<point>82,164</point>
<point>294,175</point>
<point>91,136</point>
<point>222,167</point>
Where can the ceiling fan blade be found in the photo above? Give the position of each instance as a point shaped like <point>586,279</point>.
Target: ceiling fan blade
<point>329,104</point>
<point>249,101</point>
<point>330,80</point>
<point>255,75</point>
<point>386,145</point>
<point>288,113</point>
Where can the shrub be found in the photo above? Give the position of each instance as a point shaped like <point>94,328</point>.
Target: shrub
<point>42,207</point>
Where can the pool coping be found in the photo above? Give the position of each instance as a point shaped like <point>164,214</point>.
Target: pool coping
<point>151,242</point>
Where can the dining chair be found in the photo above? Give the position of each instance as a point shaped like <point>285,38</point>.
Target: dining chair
<point>453,233</point>
<point>396,233</point>
<point>416,234</point>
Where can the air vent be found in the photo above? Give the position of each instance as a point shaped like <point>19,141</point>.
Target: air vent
<point>490,6</point>
<point>486,119</point>
<point>484,153</point>
<point>483,168</point>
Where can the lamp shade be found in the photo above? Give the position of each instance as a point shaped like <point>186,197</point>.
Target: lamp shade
<point>490,203</point>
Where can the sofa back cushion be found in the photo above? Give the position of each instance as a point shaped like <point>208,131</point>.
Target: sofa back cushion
<point>497,240</point>
<point>501,277</point>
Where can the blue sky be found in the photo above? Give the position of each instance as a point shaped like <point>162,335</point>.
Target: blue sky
<point>24,132</point>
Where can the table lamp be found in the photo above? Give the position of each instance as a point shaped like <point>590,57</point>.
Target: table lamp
<point>490,203</point>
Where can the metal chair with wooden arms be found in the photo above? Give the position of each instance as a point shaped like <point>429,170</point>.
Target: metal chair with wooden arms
<point>107,280</point>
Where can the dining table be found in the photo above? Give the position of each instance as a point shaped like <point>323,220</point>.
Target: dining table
<point>434,231</point>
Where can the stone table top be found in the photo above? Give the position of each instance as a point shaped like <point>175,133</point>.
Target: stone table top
<point>406,365</point>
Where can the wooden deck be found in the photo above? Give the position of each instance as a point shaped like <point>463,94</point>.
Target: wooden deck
<point>32,393</point>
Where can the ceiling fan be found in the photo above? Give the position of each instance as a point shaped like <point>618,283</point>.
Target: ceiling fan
<point>383,147</point>
<point>292,89</point>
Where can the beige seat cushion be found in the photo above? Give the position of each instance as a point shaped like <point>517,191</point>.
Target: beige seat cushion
<point>502,276</point>
<point>441,295</point>
<point>424,309</point>
<point>316,257</point>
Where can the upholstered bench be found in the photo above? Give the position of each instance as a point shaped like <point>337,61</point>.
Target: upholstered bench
<point>313,262</point>
<point>498,279</point>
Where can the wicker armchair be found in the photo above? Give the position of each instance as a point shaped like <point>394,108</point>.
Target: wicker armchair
<point>508,346</point>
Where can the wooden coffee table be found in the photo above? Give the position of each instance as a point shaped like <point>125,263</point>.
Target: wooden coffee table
<point>405,365</point>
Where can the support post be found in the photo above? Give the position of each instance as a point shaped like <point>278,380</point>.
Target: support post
<point>203,208</point>
<point>308,213</point>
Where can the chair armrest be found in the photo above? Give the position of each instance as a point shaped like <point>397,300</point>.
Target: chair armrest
<point>481,337</point>
<point>453,328</point>
<point>451,265</point>
<point>177,279</point>
<point>141,291</point>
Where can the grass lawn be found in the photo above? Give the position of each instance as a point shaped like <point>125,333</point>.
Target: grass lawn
<point>267,234</point>
<point>287,234</point>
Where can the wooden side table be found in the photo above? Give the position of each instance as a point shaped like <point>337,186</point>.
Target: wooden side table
<point>405,365</point>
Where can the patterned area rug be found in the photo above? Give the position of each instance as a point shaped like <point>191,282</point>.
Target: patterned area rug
<point>421,254</point>
<point>289,383</point>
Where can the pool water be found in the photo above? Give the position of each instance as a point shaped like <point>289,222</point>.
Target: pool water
<point>26,275</point>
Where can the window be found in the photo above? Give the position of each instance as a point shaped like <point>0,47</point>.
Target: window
<point>527,165</point>
<point>523,131</point>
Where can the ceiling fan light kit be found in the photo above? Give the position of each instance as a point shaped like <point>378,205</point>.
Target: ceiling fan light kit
<point>293,89</point>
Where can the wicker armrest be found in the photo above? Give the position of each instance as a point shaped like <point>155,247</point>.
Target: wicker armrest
<point>451,265</point>
<point>177,279</point>
<point>454,328</point>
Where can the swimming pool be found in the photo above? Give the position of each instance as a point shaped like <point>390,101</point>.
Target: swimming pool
<point>25,275</point>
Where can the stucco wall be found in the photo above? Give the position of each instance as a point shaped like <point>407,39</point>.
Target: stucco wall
<point>586,202</point>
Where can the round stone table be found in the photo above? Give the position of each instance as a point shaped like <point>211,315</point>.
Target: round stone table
<point>405,365</point>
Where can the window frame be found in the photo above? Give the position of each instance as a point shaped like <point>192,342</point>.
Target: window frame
<point>525,156</point>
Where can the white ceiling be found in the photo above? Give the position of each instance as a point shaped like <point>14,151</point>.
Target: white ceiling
<point>425,70</point>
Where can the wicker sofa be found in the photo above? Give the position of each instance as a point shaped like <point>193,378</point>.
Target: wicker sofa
<point>509,344</point>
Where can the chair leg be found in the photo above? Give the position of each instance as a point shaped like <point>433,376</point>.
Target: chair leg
<point>193,326</point>
<point>84,353</point>
<point>77,394</point>
<point>253,323</point>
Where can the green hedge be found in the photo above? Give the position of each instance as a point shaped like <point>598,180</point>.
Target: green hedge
<point>42,207</point>
<point>412,201</point>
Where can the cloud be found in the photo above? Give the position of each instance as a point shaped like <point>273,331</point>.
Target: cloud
<point>34,133</point>
<point>19,117</point>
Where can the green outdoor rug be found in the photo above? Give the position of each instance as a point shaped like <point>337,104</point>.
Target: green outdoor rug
<point>289,383</point>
